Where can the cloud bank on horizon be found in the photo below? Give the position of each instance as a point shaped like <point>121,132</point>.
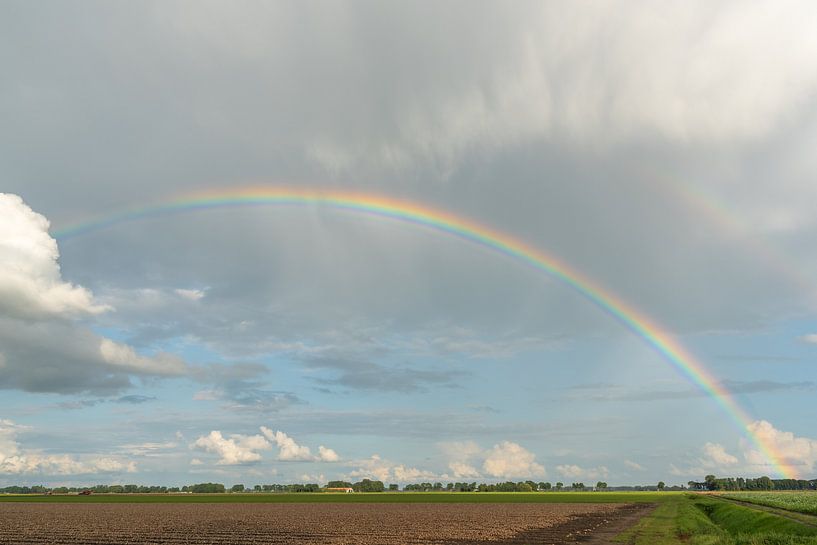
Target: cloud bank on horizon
<point>666,152</point>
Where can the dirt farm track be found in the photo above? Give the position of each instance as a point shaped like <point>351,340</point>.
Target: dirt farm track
<point>335,524</point>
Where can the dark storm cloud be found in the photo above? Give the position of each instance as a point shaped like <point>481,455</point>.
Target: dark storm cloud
<point>55,357</point>
<point>571,127</point>
<point>129,102</point>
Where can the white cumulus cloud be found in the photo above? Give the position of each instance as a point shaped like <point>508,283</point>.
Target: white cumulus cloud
<point>714,459</point>
<point>387,471</point>
<point>45,346</point>
<point>716,456</point>
<point>504,460</point>
<point>18,461</point>
<point>511,460</point>
<point>460,455</point>
<point>289,450</point>
<point>634,465</point>
<point>235,450</point>
<point>373,468</point>
<point>30,281</point>
<point>461,470</point>
<point>798,452</point>
<point>327,454</point>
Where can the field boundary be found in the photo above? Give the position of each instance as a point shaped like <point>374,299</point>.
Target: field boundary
<point>802,518</point>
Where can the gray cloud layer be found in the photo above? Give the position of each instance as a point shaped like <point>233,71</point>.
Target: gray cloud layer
<point>586,130</point>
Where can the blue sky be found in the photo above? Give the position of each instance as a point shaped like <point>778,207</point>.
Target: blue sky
<point>272,344</point>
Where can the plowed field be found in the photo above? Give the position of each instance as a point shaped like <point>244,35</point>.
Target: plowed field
<point>335,524</point>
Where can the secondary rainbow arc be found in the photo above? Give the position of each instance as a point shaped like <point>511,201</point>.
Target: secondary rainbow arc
<point>630,317</point>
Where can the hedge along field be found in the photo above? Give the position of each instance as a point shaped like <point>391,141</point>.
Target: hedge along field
<point>383,497</point>
<point>799,501</point>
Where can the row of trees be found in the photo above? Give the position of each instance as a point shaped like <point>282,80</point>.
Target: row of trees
<point>711,482</point>
<point>366,485</point>
<point>509,486</point>
<point>104,489</point>
<point>310,487</point>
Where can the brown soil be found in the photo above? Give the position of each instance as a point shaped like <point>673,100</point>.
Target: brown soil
<point>330,524</point>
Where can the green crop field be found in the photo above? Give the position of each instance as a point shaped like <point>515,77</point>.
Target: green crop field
<point>697,519</point>
<point>797,501</point>
<point>384,497</point>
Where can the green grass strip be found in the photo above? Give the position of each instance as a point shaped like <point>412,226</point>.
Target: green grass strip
<point>703,520</point>
<point>739,519</point>
<point>673,522</point>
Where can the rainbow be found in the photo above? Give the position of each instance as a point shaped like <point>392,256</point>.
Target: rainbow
<point>405,211</point>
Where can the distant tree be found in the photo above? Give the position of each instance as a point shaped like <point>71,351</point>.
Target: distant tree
<point>559,486</point>
<point>393,488</point>
<point>578,486</point>
<point>339,484</point>
<point>237,488</point>
<point>601,485</point>
<point>661,486</point>
<point>544,486</point>
<point>203,488</point>
<point>367,485</point>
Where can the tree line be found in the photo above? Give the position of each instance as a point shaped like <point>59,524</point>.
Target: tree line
<point>711,482</point>
<point>369,485</point>
<point>508,486</point>
<point>365,485</point>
